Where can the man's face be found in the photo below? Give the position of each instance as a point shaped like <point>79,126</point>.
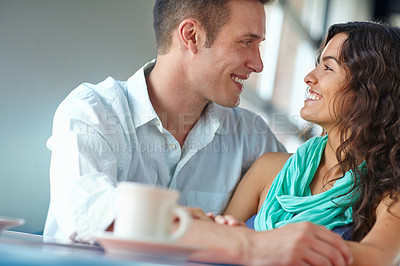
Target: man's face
<point>221,70</point>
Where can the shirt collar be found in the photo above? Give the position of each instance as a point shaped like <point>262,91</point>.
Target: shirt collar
<point>143,111</point>
<point>139,100</point>
<point>216,115</point>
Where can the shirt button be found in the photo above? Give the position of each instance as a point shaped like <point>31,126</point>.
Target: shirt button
<point>172,146</point>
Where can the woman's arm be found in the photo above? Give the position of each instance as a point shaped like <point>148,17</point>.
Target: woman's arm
<point>381,246</point>
<point>254,186</point>
<point>294,244</point>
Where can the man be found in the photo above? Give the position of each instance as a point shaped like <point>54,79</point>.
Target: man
<point>172,124</point>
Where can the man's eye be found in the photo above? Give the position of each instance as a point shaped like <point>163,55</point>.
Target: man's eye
<point>247,43</point>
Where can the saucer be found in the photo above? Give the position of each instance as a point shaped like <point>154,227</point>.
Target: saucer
<point>145,250</point>
<point>8,222</point>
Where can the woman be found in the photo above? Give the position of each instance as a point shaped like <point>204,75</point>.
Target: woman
<point>349,179</point>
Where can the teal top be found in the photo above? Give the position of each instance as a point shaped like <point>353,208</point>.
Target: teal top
<point>290,200</point>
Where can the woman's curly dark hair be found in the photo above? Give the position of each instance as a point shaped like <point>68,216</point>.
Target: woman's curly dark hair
<point>370,120</point>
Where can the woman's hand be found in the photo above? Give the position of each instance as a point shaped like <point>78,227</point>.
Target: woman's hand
<point>198,213</point>
<point>228,220</point>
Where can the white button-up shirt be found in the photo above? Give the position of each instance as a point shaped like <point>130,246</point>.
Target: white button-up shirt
<point>109,132</point>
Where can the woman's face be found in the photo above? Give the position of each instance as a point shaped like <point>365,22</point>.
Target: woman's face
<point>324,82</point>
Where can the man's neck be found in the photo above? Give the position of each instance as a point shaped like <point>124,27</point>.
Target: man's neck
<point>178,110</point>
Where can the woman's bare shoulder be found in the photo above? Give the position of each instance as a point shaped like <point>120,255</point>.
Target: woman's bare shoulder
<point>269,165</point>
<point>273,159</point>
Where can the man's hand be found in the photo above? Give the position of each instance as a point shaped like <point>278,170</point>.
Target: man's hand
<point>294,244</point>
<point>298,244</point>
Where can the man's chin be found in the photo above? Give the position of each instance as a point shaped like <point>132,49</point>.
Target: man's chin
<point>237,104</point>
<point>229,104</point>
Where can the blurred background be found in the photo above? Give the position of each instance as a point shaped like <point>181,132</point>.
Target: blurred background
<point>48,47</point>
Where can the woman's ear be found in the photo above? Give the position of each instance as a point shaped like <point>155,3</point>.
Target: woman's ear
<point>189,34</point>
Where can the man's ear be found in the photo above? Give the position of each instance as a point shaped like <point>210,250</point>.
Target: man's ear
<point>190,34</point>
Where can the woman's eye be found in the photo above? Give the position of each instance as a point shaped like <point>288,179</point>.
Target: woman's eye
<point>327,68</point>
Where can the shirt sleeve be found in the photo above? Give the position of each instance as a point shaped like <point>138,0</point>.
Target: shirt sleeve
<point>86,150</point>
<point>82,183</point>
<point>261,140</point>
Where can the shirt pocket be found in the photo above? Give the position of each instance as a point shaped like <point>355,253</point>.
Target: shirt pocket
<point>214,202</point>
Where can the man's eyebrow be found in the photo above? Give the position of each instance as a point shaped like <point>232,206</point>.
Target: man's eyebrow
<point>254,36</point>
<point>330,57</point>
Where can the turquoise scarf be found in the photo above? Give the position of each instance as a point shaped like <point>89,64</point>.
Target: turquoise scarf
<point>289,199</point>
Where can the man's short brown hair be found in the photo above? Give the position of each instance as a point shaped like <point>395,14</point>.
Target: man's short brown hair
<point>212,14</point>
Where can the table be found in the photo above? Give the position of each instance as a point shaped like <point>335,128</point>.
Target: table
<point>18,248</point>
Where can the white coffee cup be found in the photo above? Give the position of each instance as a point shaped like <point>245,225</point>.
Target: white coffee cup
<point>146,212</point>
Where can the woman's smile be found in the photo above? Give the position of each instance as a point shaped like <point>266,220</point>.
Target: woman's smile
<point>311,95</point>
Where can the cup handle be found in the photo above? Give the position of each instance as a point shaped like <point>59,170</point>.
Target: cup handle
<point>184,222</point>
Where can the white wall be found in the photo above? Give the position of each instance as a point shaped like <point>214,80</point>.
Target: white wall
<point>48,47</point>
<point>350,10</point>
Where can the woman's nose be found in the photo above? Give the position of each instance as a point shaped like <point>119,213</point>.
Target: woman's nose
<point>310,78</point>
